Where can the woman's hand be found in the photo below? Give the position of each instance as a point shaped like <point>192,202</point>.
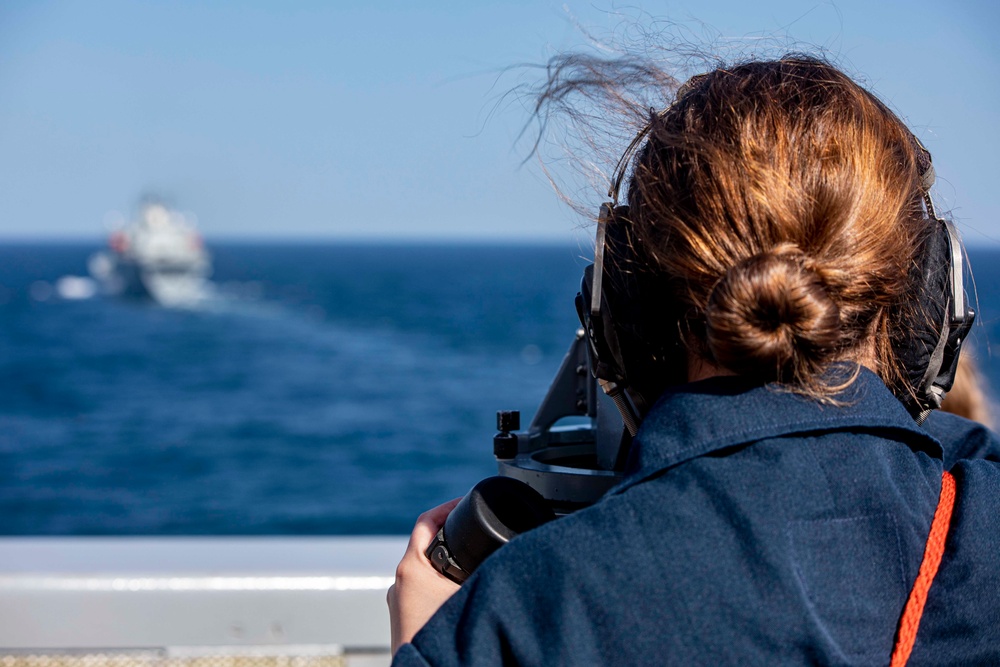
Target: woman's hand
<point>419,589</point>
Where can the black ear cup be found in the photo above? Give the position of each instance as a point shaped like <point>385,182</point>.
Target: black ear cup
<point>602,334</point>
<point>932,333</point>
<point>632,327</point>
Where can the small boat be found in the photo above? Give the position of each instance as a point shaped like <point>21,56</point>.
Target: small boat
<point>159,256</point>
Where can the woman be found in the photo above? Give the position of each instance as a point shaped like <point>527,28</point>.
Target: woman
<point>779,498</point>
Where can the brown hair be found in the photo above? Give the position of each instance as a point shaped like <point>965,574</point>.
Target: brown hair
<point>781,202</point>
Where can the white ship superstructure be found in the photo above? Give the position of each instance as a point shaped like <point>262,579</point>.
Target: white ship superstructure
<point>159,255</point>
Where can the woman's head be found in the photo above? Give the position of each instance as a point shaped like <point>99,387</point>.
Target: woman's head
<point>784,202</point>
<point>778,204</point>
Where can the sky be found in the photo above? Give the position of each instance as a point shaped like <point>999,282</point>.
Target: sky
<point>387,120</point>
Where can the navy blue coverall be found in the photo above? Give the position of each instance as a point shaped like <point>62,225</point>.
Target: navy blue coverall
<point>754,526</point>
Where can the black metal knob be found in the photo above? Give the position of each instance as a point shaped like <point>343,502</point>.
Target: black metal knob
<point>505,445</point>
<point>508,420</point>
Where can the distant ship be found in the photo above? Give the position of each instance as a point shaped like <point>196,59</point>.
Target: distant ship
<point>159,256</point>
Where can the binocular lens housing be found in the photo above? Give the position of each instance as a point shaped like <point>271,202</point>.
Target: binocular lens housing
<point>496,510</point>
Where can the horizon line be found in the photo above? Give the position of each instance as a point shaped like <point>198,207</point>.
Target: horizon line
<point>261,239</point>
<point>292,239</point>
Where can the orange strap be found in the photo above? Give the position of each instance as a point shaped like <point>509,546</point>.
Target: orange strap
<point>910,621</point>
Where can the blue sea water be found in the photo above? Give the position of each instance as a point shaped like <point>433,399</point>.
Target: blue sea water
<point>328,389</point>
<point>331,389</point>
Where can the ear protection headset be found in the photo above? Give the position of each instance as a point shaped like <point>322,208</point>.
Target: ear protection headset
<point>610,286</point>
<point>927,347</point>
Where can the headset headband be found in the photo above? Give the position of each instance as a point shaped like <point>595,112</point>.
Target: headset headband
<point>608,208</point>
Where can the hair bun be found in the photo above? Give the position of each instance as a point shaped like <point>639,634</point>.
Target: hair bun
<point>771,316</point>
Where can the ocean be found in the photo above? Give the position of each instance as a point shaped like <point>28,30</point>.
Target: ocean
<point>328,389</point>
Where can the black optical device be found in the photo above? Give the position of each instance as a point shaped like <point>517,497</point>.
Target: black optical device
<point>550,470</point>
<point>495,511</point>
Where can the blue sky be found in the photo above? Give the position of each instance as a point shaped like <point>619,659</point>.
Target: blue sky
<point>378,120</point>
